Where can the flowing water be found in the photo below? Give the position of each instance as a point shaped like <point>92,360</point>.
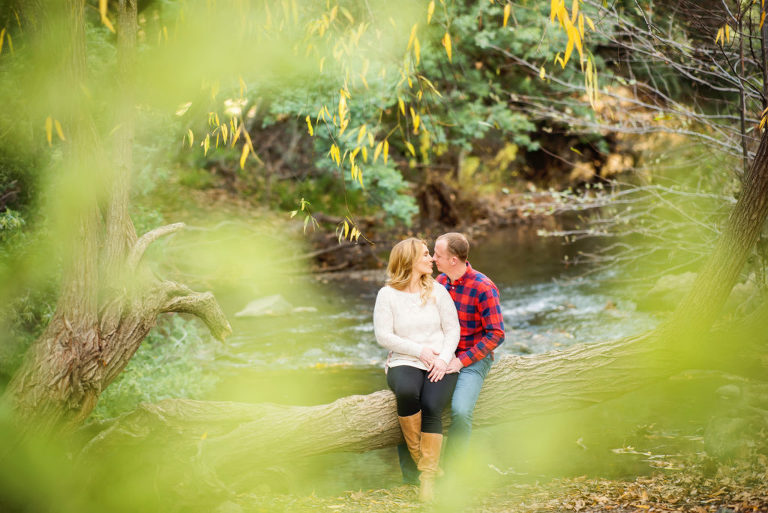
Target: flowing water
<point>318,356</point>
<point>332,352</point>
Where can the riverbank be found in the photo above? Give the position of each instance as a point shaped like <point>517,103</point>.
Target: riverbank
<point>691,483</point>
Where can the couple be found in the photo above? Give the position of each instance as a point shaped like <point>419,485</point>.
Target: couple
<point>441,334</point>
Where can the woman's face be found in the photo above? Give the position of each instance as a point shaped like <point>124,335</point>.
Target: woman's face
<point>423,263</point>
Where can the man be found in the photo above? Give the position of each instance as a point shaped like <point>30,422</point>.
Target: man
<point>482,330</point>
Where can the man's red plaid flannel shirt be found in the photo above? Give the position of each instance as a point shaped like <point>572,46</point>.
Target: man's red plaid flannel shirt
<point>477,302</point>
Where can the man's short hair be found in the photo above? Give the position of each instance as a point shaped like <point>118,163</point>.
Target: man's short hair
<point>457,244</point>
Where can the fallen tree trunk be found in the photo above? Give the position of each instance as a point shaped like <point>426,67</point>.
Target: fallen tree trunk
<point>233,439</point>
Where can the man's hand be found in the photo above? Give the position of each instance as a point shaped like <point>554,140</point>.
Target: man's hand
<point>428,356</point>
<point>438,370</point>
<point>454,366</point>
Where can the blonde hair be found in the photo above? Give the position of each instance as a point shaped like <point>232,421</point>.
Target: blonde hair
<point>400,267</point>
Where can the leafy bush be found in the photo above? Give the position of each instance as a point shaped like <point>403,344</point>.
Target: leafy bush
<point>169,364</point>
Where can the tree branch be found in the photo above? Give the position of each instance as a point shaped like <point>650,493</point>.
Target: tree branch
<point>148,238</point>
<point>182,299</point>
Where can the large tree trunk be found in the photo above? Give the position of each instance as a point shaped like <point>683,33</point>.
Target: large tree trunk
<point>108,301</point>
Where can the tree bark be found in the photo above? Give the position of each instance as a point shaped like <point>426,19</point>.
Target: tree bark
<point>108,300</point>
<point>700,308</point>
<point>233,442</point>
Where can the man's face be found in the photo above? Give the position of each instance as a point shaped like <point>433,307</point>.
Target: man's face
<point>443,259</point>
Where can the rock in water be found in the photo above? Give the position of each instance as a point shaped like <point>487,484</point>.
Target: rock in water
<point>270,305</point>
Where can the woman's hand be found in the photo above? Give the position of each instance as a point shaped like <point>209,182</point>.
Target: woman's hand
<point>438,370</point>
<point>428,356</point>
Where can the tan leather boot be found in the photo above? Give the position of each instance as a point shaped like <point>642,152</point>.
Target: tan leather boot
<point>411,427</point>
<point>429,464</point>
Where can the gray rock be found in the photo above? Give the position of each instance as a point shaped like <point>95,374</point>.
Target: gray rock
<point>521,348</point>
<point>729,392</point>
<point>270,305</point>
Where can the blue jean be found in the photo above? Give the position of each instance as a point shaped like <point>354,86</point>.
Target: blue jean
<point>465,395</point>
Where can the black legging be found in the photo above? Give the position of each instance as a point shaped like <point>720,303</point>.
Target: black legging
<point>415,392</point>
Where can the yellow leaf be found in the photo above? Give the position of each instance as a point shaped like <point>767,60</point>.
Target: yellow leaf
<point>365,154</point>
<point>553,10</point>
<point>377,151</point>
<point>719,35</point>
<point>562,13</point>
<point>385,150</point>
<point>2,38</point>
<point>342,107</point>
<point>347,15</point>
<point>103,13</point>
<point>574,9</point>
<point>243,87</point>
<point>346,228</point>
<point>401,104</point>
<point>591,25</point>
<point>361,134</point>
<point>542,73</point>
<point>354,154</point>
<point>410,148</point>
<point>581,25</point>
<point>447,44</point>
<point>49,130</point>
<point>59,131</point>
<point>224,133</point>
<point>309,127</point>
<point>430,10</point>
<point>206,144</point>
<point>728,32</point>
<point>574,34</point>
<point>594,82</point>
<point>417,50</point>
<point>237,136</point>
<point>370,139</point>
<point>412,37</point>
<point>205,435</point>
<point>191,137</point>
<point>507,10</point>
<point>243,156</point>
<point>568,50</point>
<point>416,121</point>
<point>332,152</point>
<point>559,59</point>
<point>762,20</point>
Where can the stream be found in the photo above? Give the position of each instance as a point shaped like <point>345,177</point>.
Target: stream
<point>314,357</point>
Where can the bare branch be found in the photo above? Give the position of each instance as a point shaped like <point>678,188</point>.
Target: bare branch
<point>180,298</point>
<point>148,238</point>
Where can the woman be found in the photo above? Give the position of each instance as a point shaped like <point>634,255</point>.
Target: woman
<point>417,321</point>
